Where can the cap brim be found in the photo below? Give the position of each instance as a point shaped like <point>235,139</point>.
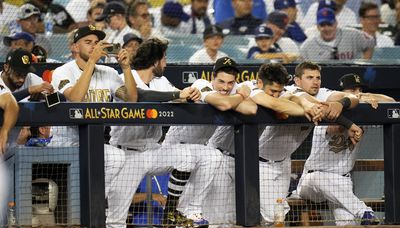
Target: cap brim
<point>138,39</point>
<point>263,36</point>
<point>185,17</point>
<point>20,70</point>
<point>101,17</point>
<point>214,34</point>
<point>325,21</point>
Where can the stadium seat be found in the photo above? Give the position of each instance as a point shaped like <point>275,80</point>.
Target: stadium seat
<point>386,53</point>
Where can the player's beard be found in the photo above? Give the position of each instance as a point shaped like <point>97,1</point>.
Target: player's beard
<point>158,71</point>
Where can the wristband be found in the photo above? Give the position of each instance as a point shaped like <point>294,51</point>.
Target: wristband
<point>175,95</point>
<point>346,102</point>
<point>344,122</point>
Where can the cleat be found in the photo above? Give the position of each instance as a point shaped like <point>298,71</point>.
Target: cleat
<point>176,219</point>
<point>198,220</point>
<point>369,219</point>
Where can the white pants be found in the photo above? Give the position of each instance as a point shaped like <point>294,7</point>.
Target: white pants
<point>138,164</point>
<point>114,160</point>
<point>274,183</point>
<point>338,190</point>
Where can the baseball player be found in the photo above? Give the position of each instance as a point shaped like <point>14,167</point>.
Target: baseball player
<point>334,42</point>
<point>327,170</point>
<point>144,155</point>
<point>82,80</point>
<point>10,114</point>
<point>272,78</point>
<point>224,94</point>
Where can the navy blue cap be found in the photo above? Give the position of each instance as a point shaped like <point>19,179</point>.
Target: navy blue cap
<point>18,36</point>
<point>212,30</point>
<point>175,9</point>
<point>278,18</point>
<point>263,31</point>
<point>326,15</point>
<point>129,37</point>
<point>112,8</point>
<point>327,4</point>
<point>284,4</point>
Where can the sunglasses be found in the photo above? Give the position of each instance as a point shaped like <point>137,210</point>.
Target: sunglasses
<point>34,10</point>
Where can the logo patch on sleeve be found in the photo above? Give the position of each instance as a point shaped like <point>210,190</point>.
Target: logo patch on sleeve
<point>206,89</point>
<point>63,83</point>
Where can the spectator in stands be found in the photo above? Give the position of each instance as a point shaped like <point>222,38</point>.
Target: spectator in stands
<point>28,19</point>
<point>173,21</point>
<point>293,31</point>
<point>63,20</point>
<point>277,21</point>
<point>131,44</point>
<point>335,42</point>
<point>213,38</point>
<point>95,10</point>
<point>19,79</point>
<point>244,23</point>
<point>78,8</point>
<point>345,16</point>
<point>199,17</point>
<point>35,136</point>
<point>139,18</point>
<point>22,40</point>
<point>223,10</point>
<point>388,12</point>
<point>114,14</point>
<point>326,174</point>
<point>8,16</point>
<point>397,35</point>
<point>370,19</point>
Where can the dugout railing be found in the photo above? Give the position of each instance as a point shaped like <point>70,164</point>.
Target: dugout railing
<point>91,150</point>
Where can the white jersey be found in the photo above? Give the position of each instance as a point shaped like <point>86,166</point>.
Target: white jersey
<point>279,142</point>
<point>104,83</point>
<point>30,80</point>
<point>3,88</point>
<point>141,137</point>
<point>193,134</point>
<point>223,138</point>
<point>201,56</point>
<point>331,153</point>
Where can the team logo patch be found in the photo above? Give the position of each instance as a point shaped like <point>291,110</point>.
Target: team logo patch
<point>91,27</point>
<point>25,60</point>
<point>227,61</point>
<point>63,83</point>
<point>206,89</point>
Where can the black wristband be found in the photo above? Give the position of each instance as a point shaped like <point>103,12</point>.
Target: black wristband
<point>176,94</point>
<point>344,122</point>
<point>22,94</point>
<point>346,102</point>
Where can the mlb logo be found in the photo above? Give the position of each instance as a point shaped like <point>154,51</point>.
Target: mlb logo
<point>188,77</point>
<point>393,113</point>
<point>76,113</point>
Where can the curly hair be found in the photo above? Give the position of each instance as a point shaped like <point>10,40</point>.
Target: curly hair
<point>149,52</point>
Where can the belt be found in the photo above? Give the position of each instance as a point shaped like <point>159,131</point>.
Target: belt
<point>126,148</point>
<point>259,158</point>
<point>311,171</point>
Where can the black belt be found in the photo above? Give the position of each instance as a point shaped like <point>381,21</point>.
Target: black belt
<point>126,148</point>
<point>311,171</point>
<point>259,158</point>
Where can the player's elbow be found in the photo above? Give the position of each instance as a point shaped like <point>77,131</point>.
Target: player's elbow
<point>224,105</point>
<point>251,110</point>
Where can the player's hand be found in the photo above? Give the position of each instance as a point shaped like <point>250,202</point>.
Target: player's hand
<point>23,135</point>
<point>333,110</point>
<point>45,87</point>
<point>3,141</point>
<point>195,94</point>
<point>162,200</point>
<point>244,91</point>
<point>313,111</point>
<point>123,59</point>
<point>99,51</point>
<point>364,97</point>
<point>355,133</point>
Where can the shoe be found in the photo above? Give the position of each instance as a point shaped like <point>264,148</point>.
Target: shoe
<point>369,219</point>
<point>176,219</point>
<point>198,220</point>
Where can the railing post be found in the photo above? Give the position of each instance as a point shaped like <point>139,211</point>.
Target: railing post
<point>91,162</point>
<point>392,173</point>
<point>247,175</point>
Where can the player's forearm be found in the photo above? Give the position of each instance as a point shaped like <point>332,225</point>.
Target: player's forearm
<point>377,97</point>
<point>130,85</point>
<point>337,96</point>
<point>224,102</point>
<point>247,107</point>
<point>156,96</point>
<point>281,105</point>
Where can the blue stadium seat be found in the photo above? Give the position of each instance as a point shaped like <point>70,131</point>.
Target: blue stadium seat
<point>386,53</point>
<point>180,53</point>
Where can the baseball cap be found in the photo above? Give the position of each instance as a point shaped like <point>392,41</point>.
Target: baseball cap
<point>20,61</point>
<point>327,4</point>
<point>88,30</point>
<point>211,31</point>
<point>284,4</point>
<point>18,36</point>
<point>225,62</point>
<point>27,10</point>
<point>279,19</point>
<point>110,9</point>
<point>263,31</point>
<point>350,81</point>
<point>175,9</point>
<point>129,37</point>
<point>326,15</point>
